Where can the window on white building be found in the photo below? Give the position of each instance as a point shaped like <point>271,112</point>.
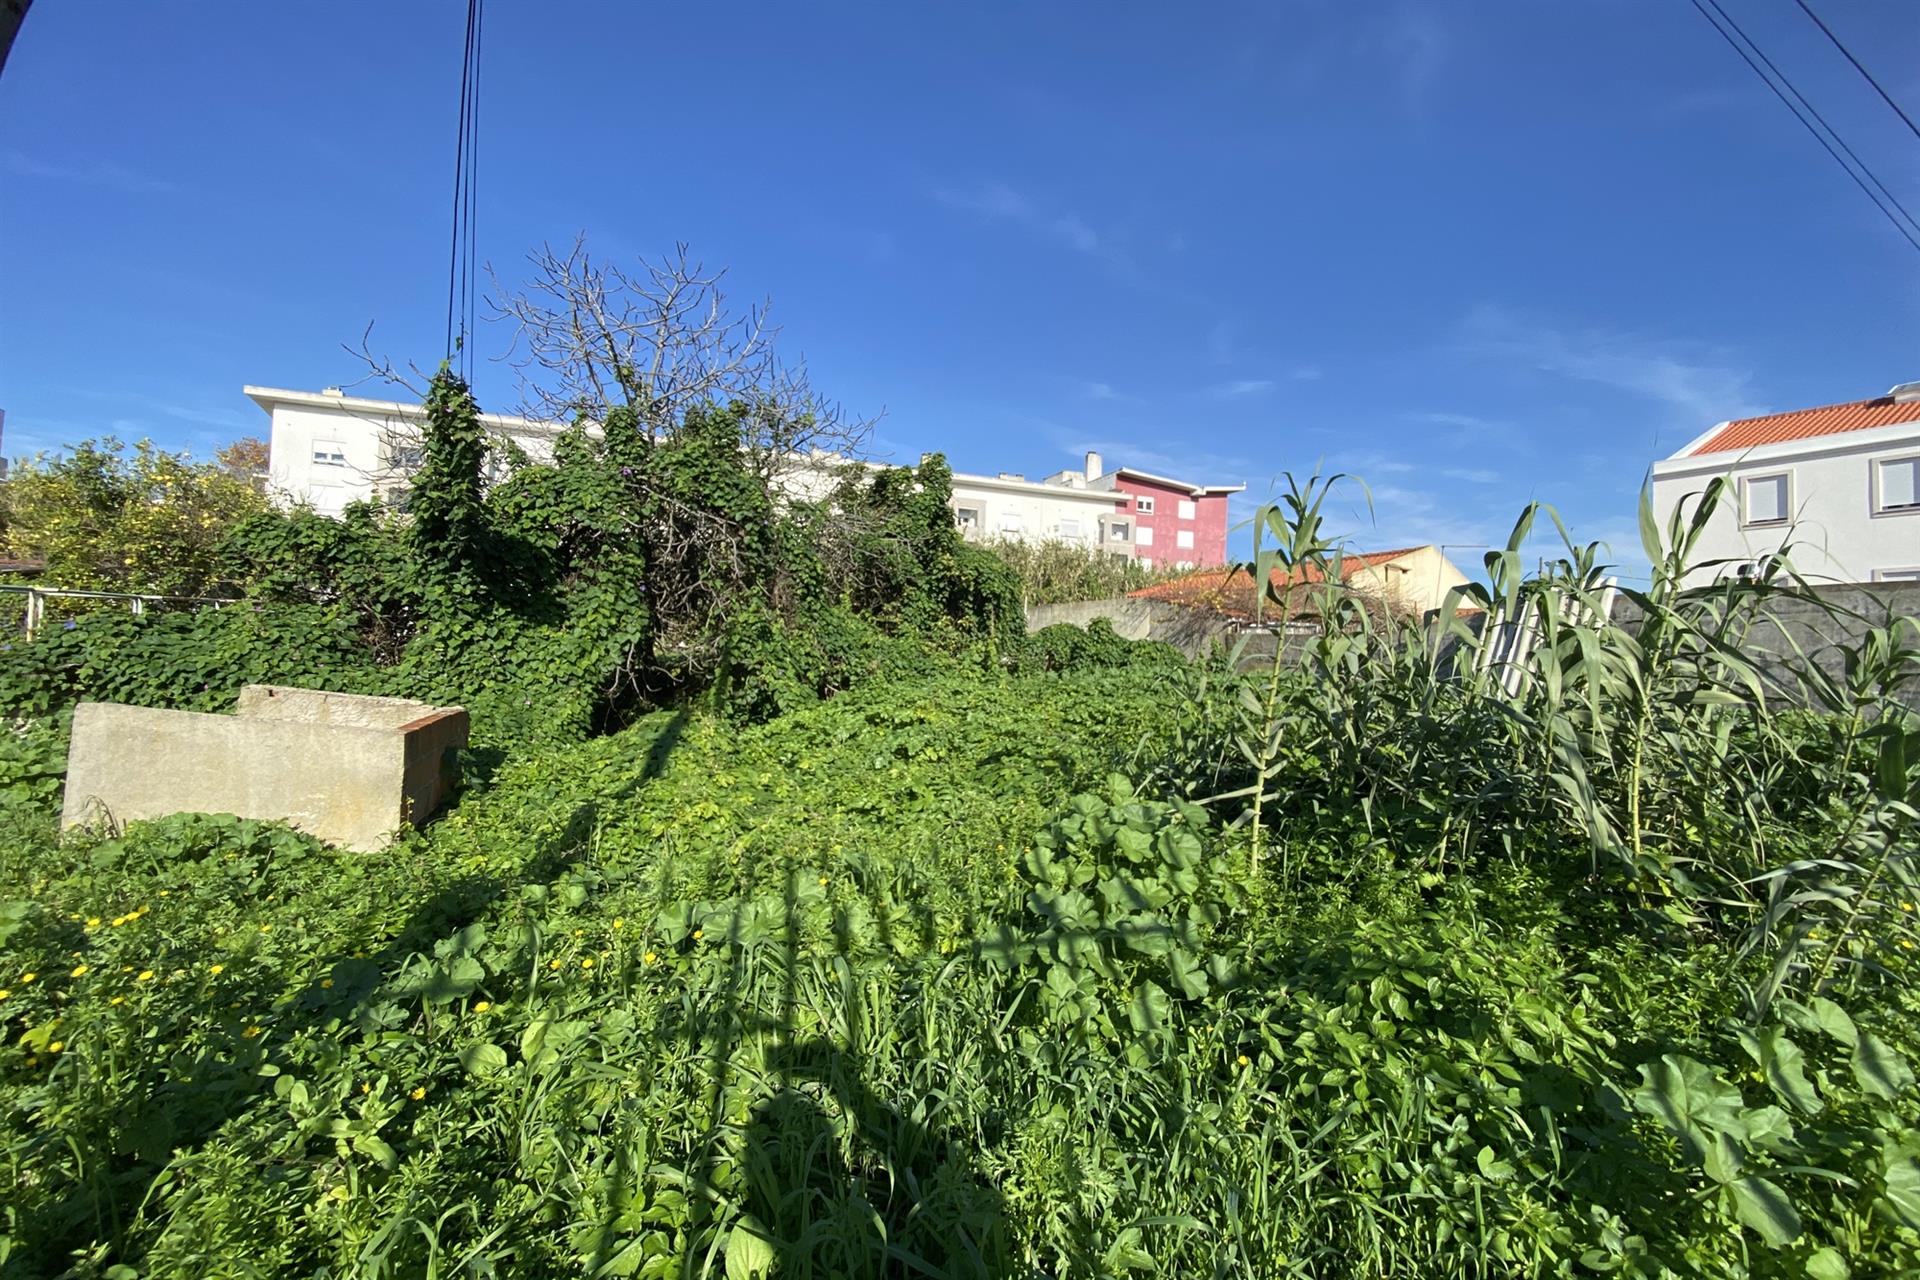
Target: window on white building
<point>1186,509</point>
<point>1145,537</point>
<point>1897,484</point>
<point>329,453</point>
<point>1897,575</point>
<point>1011,523</point>
<point>1184,539</point>
<point>1143,505</point>
<point>1070,529</point>
<point>1764,499</point>
<point>407,457</point>
<point>1120,531</point>
<point>968,518</point>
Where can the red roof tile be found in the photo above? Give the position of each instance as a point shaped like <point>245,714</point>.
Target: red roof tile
<point>1231,590</point>
<point>1803,424</point>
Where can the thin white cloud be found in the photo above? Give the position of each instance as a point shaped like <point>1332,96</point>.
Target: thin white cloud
<point>93,173</point>
<point>1100,391</point>
<point>1700,382</point>
<point>1000,201</point>
<point>1304,373</point>
<point>1471,475</point>
<point>1413,45</point>
<point>1240,387</point>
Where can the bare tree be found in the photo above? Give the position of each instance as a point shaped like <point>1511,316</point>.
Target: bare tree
<point>589,338</point>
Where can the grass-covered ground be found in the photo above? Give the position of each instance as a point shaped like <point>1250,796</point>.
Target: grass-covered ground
<point>912,983</point>
<point>1435,954</point>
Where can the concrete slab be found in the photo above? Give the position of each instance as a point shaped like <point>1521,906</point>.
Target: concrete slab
<point>351,770</point>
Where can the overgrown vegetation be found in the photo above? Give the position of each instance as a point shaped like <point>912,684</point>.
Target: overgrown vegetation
<point>100,517</point>
<point>1521,944</point>
<point>1059,572</point>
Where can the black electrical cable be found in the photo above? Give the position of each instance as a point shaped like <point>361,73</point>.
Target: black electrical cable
<point>1802,117</point>
<point>1848,54</point>
<point>460,257</point>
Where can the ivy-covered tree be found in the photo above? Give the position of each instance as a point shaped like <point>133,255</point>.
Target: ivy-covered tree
<point>106,517</point>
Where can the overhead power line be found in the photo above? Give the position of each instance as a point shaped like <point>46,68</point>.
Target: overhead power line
<point>1804,111</point>
<point>1868,75</point>
<point>461,288</point>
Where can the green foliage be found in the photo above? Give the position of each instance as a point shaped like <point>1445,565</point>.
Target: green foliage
<point>1062,572</point>
<point>104,519</point>
<point>1063,647</point>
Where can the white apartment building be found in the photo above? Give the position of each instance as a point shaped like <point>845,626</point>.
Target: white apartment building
<point>1060,508</point>
<point>1840,483</point>
<point>328,449</point>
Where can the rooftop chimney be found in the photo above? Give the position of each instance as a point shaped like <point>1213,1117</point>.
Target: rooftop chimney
<point>1093,465</point>
<point>1905,392</point>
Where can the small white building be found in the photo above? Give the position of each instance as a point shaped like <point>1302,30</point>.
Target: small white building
<point>1840,483</point>
<point>1060,508</point>
<point>327,448</point>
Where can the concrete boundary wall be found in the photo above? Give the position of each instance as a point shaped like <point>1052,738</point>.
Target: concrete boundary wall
<point>1822,633</point>
<point>351,770</point>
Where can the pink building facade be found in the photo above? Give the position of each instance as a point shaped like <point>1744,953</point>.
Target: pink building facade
<point>1174,523</point>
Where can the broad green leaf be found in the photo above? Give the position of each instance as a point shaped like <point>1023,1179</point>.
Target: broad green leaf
<point>1149,1008</point>
<point>376,1150</point>
<point>750,1254</point>
<point>1784,1066</point>
<point>1762,1205</point>
<point>1834,1020</point>
<point>484,1059</point>
<point>1828,1264</point>
<point>1880,1070</point>
<point>1186,974</point>
<point>1687,1097</point>
<point>1901,1174</point>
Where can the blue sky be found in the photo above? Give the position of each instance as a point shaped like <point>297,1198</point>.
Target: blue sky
<point>1477,253</point>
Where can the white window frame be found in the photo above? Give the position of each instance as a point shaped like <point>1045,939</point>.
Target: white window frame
<point>1010,522</point>
<point>1879,485</point>
<point>1183,539</point>
<point>960,520</point>
<point>1121,531</point>
<point>1070,527</point>
<point>1143,536</point>
<point>329,453</point>
<point>1187,509</point>
<point>1786,502</point>
<point>1898,573</point>
<point>1143,505</point>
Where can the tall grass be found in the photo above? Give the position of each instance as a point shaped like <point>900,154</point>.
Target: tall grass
<point>1056,572</point>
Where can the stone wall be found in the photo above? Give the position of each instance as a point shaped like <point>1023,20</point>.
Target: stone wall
<point>351,770</point>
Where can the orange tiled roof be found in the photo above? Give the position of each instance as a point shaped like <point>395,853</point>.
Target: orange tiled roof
<point>1803,424</point>
<point>1231,590</point>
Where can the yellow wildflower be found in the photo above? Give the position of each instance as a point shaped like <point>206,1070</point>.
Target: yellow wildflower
<point>120,920</point>
<point>699,934</point>
<point>554,963</point>
<point>823,882</point>
<point>481,1006</point>
<point>79,971</point>
<point>587,963</point>
<point>266,928</point>
<point>4,993</point>
<point>649,958</point>
<point>251,1032</point>
<point>1244,1060</point>
<point>619,922</point>
<point>365,1087</point>
<point>118,1000</point>
<point>326,984</point>
<point>93,922</point>
<point>56,1046</point>
<point>25,978</point>
<point>146,975</point>
<point>419,1092</point>
<point>216,969</point>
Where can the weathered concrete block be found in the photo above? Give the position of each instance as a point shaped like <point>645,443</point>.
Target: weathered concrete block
<point>351,770</point>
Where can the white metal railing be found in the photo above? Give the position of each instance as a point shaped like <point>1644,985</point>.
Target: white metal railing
<point>37,598</point>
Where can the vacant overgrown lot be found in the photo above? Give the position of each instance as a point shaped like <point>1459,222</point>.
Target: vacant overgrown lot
<point>804,917</point>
